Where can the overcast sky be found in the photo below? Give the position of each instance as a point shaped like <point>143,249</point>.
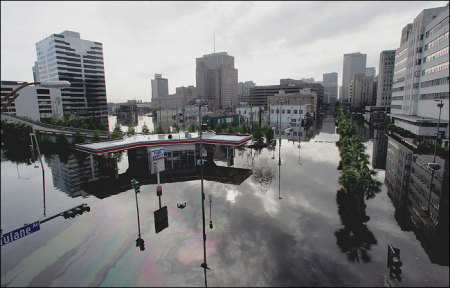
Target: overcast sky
<point>268,40</point>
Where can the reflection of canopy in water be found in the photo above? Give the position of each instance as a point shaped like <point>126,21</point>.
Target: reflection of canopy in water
<point>107,187</point>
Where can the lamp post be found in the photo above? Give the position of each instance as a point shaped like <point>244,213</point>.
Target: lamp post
<point>279,154</point>
<point>439,105</point>
<point>46,84</point>
<point>203,265</point>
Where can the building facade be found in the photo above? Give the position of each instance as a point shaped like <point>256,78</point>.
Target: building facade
<point>362,91</point>
<point>421,75</point>
<point>65,56</point>
<point>330,87</point>
<point>385,76</point>
<point>354,63</point>
<point>35,102</point>
<point>217,80</point>
<point>244,91</point>
<point>160,87</point>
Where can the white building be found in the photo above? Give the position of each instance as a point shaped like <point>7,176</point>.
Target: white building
<point>354,63</point>
<point>421,72</point>
<point>289,115</point>
<point>65,56</point>
<point>251,113</point>
<point>34,102</point>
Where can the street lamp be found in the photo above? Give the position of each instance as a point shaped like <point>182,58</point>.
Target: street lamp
<point>46,84</point>
<point>433,167</point>
<point>200,104</point>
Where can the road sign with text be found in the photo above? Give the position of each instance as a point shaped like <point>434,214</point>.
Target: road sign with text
<point>20,233</point>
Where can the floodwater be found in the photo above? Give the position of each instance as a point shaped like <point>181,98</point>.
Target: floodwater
<point>280,227</point>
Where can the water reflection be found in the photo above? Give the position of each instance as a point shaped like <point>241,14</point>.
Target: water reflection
<point>355,239</point>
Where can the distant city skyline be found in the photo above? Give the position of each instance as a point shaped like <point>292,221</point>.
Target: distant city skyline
<point>268,40</point>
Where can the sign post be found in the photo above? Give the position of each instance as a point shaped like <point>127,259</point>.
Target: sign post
<point>156,166</point>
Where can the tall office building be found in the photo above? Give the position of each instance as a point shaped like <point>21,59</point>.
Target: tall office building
<point>65,56</point>
<point>244,90</point>
<point>371,71</point>
<point>217,79</point>
<point>354,63</point>
<point>160,87</point>
<point>385,75</point>
<point>421,78</point>
<point>362,91</point>
<point>330,86</point>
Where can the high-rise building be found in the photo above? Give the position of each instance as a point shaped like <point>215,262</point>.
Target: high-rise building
<point>421,78</point>
<point>65,56</point>
<point>354,63</point>
<point>160,87</point>
<point>385,76</point>
<point>362,91</point>
<point>217,79</point>
<point>244,90</point>
<point>330,86</point>
<point>371,71</point>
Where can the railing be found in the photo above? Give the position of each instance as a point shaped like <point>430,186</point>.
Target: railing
<point>61,129</point>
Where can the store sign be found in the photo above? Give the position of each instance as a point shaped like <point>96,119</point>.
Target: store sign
<point>157,160</point>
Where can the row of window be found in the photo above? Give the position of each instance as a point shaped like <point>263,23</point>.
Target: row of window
<point>436,28</point>
<point>436,55</point>
<point>436,68</point>
<point>400,62</point>
<point>283,111</point>
<point>400,71</point>
<point>430,96</point>
<point>436,41</point>
<point>435,82</point>
<point>402,88</point>
<point>401,53</point>
<point>394,98</point>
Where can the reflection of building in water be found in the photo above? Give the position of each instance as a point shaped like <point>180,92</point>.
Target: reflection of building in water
<point>408,179</point>
<point>68,176</point>
<point>379,149</point>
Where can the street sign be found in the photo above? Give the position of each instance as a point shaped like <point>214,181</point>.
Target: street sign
<point>161,219</point>
<point>20,233</point>
<point>156,160</point>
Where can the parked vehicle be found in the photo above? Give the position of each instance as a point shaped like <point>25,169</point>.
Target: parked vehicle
<point>257,145</point>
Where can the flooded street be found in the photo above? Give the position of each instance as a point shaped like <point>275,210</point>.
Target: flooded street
<point>280,227</point>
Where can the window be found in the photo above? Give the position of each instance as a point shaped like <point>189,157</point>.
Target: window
<point>295,112</point>
<point>283,111</point>
<point>289,111</point>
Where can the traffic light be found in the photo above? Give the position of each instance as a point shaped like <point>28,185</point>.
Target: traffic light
<point>140,243</point>
<point>394,263</point>
<point>78,210</point>
<point>136,185</point>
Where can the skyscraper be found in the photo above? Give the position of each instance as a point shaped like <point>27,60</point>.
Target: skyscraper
<point>385,75</point>
<point>65,56</point>
<point>217,79</point>
<point>330,86</point>
<point>421,75</point>
<point>354,63</point>
<point>160,87</point>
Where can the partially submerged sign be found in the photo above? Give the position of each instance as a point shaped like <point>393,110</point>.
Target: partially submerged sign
<point>156,160</point>
<point>161,219</point>
<point>20,233</point>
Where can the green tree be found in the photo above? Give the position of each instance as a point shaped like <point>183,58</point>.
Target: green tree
<point>257,133</point>
<point>101,126</point>
<point>159,130</point>
<point>218,128</point>
<point>176,128</point>
<point>145,129</point>
<point>78,138</point>
<point>131,130</point>
<point>268,134</point>
<point>191,128</point>
<point>229,129</point>
<point>96,136</point>
<point>91,125</point>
